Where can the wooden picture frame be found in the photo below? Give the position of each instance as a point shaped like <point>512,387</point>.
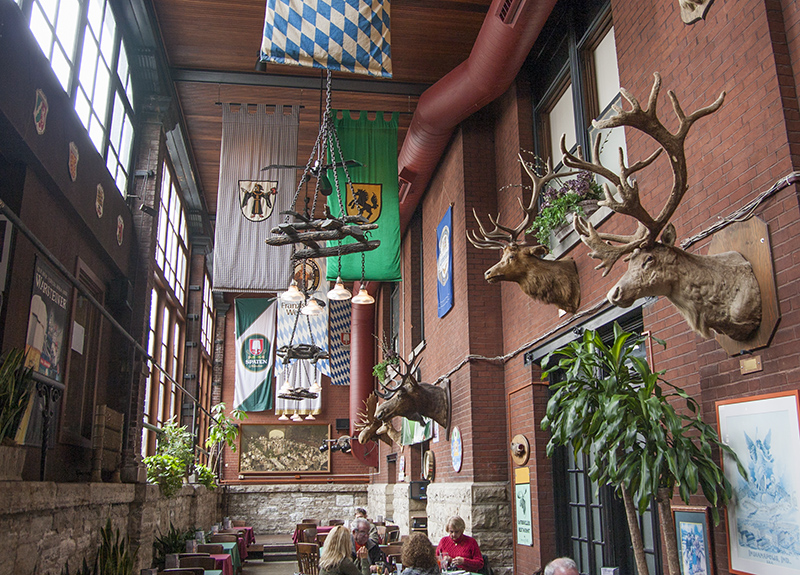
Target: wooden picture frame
<point>283,449</point>
<point>693,532</point>
<point>763,518</point>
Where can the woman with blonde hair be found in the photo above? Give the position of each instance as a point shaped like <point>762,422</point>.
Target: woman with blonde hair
<point>335,558</point>
<point>418,556</point>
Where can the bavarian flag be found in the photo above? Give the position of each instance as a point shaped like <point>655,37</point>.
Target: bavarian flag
<point>255,353</point>
<point>374,194</point>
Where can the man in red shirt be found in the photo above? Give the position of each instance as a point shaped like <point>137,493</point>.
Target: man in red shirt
<point>459,550</point>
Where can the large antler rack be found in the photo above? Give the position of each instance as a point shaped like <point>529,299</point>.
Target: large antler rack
<point>501,235</point>
<point>644,120</point>
<point>405,373</point>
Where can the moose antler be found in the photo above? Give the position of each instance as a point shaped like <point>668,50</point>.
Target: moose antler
<point>645,120</point>
<point>369,426</point>
<point>501,235</point>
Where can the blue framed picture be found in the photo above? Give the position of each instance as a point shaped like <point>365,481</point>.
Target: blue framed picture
<point>694,540</point>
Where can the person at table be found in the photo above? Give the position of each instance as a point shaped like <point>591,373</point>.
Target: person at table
<point>562,566</point>
<point>361,513</point>
<point>336,559</point>
<point>361,540</point>
<point>459,550</point>
<point>418,556</point>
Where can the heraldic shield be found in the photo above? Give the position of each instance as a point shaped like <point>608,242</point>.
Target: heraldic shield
<point>257,198</point>
<point>364,200</point>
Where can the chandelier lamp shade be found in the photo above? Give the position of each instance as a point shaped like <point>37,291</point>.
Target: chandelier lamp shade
<point>293,294</point>
<point>339,292</point>
<point>312,307</point>
<point>363,296</point>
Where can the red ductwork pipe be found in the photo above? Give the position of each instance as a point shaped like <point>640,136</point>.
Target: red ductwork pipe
<point>496,58</point>
<point>502,45</point>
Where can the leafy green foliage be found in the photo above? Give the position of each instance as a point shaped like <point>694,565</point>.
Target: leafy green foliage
<point>114,556</point>
<point>174,454</point>
<point>379,369</point>
<point>612,407</point>
<point>222,431</point>
<point>205,476</point>
<point>15,388</point>
<point>174,541</point>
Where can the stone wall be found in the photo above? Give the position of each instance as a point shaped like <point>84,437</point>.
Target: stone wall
<point>486,510</point>
<point>381,501</point>
<point>274,509</point>
<point>48,525</point>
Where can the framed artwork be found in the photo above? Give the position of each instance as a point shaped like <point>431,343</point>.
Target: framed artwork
<point>763,518</point>
<point>694,540</point>
<point>283,448</point>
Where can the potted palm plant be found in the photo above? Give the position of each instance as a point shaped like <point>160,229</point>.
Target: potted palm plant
<point>613,407</point>
<point>16,384</point>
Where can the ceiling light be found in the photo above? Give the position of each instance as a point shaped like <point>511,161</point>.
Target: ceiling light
<point>339,292</point>
<point>283,417</point>
<point>312,307</point>
<point>296,417</point>
<point>310,417</point>
<point>363,296</point>
<point>292,294</point>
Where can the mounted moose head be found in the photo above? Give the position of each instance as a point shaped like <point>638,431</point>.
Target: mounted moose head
<point>547,281</point>
<point>717,292</point>
<point>407,398</point>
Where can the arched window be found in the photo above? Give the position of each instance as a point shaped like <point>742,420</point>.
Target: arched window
<point>88,56</point>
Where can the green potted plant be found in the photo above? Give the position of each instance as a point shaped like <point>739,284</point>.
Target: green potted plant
<point>223,431</point>
<point>16,384</point>
<point>611,406</point>
<point>578,195</point>
<point>174,453</point>
<point>115,556</point>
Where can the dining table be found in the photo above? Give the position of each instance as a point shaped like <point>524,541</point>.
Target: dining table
<point>232,548</point>
<point>224,563</point>
<point>249,535</point>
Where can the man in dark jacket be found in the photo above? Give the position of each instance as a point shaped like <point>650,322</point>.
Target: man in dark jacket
<point>360,528</point>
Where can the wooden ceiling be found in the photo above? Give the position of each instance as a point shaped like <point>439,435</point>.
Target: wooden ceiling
<point>212,47</point>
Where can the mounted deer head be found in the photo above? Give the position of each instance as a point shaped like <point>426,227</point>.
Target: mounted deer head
<point>547,281</point>
<point>718,292</point>
<point>404,397</point>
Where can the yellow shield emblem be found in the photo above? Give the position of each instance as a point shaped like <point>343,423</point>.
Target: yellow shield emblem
<point>364,200</point>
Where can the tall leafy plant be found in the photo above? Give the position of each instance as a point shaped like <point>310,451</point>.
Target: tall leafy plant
<point>173,541</point>
<point>170,464</point>
<point>115,556</point>
<point>223,431</point>
<point>614,408</point>
<point>16,384</point>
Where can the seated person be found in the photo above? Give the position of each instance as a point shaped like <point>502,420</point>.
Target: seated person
<point>361,513</point>
<point>335,558</point>
<point>459,550</point>
<point>361,541</point>
<point>418,556</point>
<point>561,566</point>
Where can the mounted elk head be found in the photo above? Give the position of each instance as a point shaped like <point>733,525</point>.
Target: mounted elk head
<point>405,397</point>
<point>717,292</point>
<point>547,281</point>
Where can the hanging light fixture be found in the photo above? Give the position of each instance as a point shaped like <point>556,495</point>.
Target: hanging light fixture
<point>296,417</point>
<point>363,296</point>
<point>283,417</point>
<point>312,307</point>
<point>315,387</point>
<point>310,417</point>
<point>292,294</point>
<point>339,292</point>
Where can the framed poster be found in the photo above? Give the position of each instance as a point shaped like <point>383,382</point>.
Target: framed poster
<point>444,263</point>
<point>764,515</point>
<point>291,448</point>
<point>694,540</point>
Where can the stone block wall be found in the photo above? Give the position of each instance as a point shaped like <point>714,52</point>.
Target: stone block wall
<point>48,525</point>
<point>275,509</point>
<point>380,501</point>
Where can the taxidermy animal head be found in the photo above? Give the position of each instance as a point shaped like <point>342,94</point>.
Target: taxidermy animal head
<point>548,281</point>
<point>717,292</point>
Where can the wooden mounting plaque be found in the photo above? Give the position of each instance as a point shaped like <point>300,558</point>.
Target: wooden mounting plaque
<point>751,239</point>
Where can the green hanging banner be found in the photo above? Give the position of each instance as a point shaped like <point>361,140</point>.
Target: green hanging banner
<point>374,194</point>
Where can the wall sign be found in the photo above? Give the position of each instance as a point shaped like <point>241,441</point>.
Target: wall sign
<point>522,504</point>
<point>456,448</point>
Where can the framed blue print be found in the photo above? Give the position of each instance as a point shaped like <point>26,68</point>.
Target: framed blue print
<point>694,540</point>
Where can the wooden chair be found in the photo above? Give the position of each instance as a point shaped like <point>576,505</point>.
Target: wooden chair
<point>308,558</point>
<point>239,523</point>
<point>314,521</point>
<point>204,561</point>
<point>333,522</point>
<point>392,533</point>
<point>310,535</point>
<point>392,549</point>
<point>223,538</point>
<point>321,537</point>
<point>210,548</point>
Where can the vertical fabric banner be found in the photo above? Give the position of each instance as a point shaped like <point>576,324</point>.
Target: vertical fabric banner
<point>374,195</point>
<point>444,263</point>
<point>351,35</point>
<point>255,343</point>
<point>339,341</point>
<point>250,200</point>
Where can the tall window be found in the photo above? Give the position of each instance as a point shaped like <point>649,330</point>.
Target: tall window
<point>207,323</point>
<point>171,251</point>
<point>86,52</point>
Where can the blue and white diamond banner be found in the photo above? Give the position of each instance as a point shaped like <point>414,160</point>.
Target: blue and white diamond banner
<point>339,344</point>
<point>347,35</point>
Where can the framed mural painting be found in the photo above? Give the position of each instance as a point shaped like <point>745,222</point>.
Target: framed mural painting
<point>694,540</point>
<point>763,518</point>
<point>292,448</point>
